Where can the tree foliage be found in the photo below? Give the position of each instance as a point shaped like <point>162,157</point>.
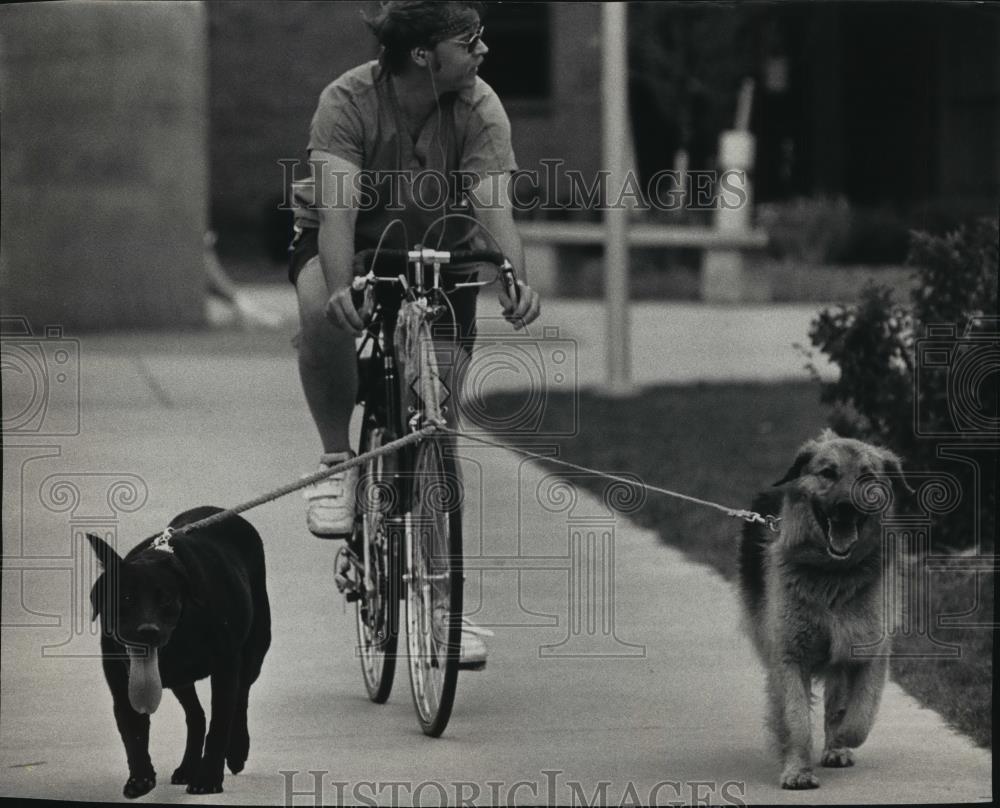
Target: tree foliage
<point>914,376</point>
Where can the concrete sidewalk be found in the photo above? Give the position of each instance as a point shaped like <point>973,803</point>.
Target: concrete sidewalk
<point>617,669</point>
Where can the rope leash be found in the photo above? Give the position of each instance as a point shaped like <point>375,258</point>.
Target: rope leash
<point>750,516</point>
<point>162,542</point>
<point>305,482</point>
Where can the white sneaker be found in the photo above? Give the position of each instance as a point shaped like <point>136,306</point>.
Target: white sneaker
<point>331,501</point>
<point>473,654</point>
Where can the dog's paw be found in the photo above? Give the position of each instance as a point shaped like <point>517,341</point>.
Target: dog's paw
<point>137,786</point>
<point>239,751</point>
<point>798,779</point>
<point>183,775</point>
<point>204,788</point>
<point>837,757</point>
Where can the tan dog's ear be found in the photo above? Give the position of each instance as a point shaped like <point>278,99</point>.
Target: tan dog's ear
<point>894,469</point>
<point>805,454</point>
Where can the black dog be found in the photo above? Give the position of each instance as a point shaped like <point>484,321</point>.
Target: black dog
<point>172,613</point>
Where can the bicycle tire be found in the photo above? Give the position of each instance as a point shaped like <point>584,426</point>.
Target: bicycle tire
<point>434,587</point>
<point>377,608</point>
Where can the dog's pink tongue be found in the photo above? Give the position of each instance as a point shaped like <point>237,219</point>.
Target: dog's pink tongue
<point>144,687</point>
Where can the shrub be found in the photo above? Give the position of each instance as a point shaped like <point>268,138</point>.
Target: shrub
<point>877,236</point>
<point>876,343</point>
<point>806,230</point>
<point>828,230</point>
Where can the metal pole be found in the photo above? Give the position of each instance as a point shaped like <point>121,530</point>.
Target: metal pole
<point>614,115</point>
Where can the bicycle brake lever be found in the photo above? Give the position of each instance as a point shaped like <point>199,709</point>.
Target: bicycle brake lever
<point>363,296</point>
<point>362,293</point>
<point>510,282</point>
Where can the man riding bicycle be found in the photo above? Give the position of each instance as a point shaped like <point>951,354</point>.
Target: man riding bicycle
<point>385,138</point>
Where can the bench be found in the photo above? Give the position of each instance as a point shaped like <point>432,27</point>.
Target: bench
<point>722,257</point>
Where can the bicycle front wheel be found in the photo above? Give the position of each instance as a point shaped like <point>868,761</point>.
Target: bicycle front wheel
<point>378,601</point>
<point>434,584</point>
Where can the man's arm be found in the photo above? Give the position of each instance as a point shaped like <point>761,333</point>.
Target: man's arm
<point>494,210</point>
<point>336,205</point>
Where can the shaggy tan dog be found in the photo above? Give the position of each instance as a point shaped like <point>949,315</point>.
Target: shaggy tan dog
<point>813,598</point>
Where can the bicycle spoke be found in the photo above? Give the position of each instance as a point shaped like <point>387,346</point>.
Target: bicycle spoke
<point>377,604</point>
<point>434,586</point>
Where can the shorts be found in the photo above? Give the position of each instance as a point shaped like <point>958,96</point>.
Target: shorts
<point>460,329</point>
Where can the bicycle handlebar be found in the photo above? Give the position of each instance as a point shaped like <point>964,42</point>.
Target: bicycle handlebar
<point>363,262</point>
<point>428,256</point>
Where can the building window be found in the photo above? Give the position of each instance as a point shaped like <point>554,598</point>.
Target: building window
<point>518,66</point>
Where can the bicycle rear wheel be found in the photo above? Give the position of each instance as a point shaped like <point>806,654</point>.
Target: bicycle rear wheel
<point>378,602</point>
<point>434,585</point>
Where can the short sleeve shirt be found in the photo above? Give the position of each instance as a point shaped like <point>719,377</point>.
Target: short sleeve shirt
<point>416,180</point>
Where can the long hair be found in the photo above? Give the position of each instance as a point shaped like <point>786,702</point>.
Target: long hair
<point>402,25</point>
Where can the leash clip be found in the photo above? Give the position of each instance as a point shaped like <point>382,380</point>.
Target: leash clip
<point>162,542</point>
<point>754,518</point>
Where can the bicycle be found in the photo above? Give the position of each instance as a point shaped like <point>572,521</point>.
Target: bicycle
<point>407,543</point>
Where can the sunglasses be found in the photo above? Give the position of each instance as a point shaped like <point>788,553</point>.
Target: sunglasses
<point>471,43</point>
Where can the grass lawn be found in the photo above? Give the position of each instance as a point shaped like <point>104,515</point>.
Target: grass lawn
<point>724,442</point>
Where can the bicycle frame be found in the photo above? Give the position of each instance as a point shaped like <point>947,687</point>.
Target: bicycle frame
<point>382,403</point>
<point>417,543</point>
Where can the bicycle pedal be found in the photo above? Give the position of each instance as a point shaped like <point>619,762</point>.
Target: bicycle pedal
<point>343,565</point>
